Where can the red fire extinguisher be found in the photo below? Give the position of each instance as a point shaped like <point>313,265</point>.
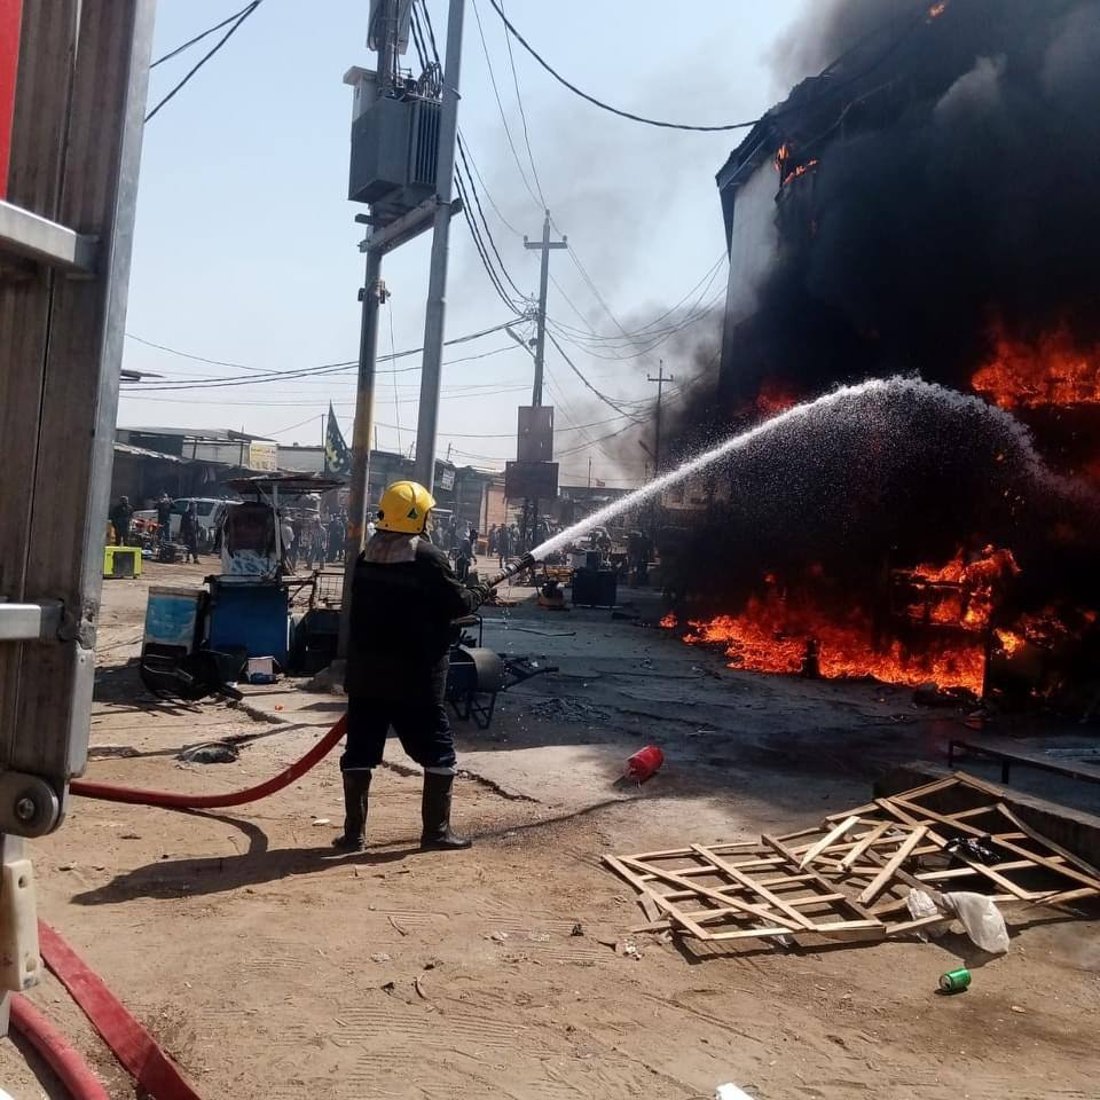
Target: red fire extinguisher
<point>644,764</point>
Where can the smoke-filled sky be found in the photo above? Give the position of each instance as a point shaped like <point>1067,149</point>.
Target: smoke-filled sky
<point>954,200</point>
<point>246,247</point>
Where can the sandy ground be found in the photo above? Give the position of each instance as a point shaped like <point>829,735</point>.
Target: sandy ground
<point>270,968</point>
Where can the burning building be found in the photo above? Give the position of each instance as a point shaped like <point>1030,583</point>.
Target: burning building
<point>922,207</point>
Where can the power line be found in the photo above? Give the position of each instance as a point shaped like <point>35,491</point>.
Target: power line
<point>645,343</point>
<point>523,118</point>
<point>199,37</point>
<point>920,18</point>
<point>482,252</point>
<point>488,232</point>
<point>488,195</point>
<point>305,372</point>
<point>503,117</point>
<point>245,13</point>
<point>301,423</point>
<point>196,358</point>
<point>599,103</point>
<point>322,402</point>
<point>576,370</point>
<point>465,187</point>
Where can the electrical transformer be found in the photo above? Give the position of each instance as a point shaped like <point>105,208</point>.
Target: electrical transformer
<point>394,146</point>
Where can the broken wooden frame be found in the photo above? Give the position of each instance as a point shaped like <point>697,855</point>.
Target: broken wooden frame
<point>848,878</point>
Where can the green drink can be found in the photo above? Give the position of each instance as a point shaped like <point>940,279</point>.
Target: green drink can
<point>955,981</point>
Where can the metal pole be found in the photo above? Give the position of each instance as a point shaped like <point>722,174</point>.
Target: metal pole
<point>427,421</point>
<point>359,493</point>
<point>371,295</point>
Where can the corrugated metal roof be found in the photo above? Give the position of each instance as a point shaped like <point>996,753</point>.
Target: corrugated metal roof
<point>141,452</point>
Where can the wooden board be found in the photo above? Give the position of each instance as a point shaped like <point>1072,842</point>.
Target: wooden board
<point>892,864</point>
<point>830,837</point>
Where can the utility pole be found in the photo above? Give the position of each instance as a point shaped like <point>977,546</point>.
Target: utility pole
<point>371,295</point>
<point>427,421</point>
<point>544,246</point>
<point>661,379</point>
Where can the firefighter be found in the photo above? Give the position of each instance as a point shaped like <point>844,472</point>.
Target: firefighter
<point>404,600</point>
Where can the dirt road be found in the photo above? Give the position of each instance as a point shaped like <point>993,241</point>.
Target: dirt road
<point>270,968</point>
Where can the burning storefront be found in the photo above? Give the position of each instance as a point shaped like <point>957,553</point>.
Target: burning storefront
<point>923,207</point>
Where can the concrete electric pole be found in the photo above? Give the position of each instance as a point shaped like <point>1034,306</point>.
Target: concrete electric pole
<point>371,295</point>
<point>544,246</point>
<point>661,379</point>
<point>427,421</point>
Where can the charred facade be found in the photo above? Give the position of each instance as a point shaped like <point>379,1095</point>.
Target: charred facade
<point>922,208</point>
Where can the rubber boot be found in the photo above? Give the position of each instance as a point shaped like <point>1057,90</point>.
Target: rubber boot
<point>356,788</point>
<point>436,813</point>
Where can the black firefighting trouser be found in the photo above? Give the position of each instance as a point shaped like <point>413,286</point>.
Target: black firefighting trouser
<point>419,719</point>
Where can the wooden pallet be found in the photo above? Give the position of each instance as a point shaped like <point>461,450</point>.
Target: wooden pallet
<point>739,891</point>
<point>848,878</point>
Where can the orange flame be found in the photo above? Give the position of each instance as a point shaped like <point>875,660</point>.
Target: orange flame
<point>773,398</point>
<point>776,632</point>
<point>1054,370</point>
<point>786,169</point>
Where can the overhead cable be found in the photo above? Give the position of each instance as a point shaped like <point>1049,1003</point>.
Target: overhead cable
<point>243,15</point>
<point>523,118</point>
<point>577,371</point>
<point>541,203</point>
<point>920,14</point>
<point>199,37</point>
<point>300,372</point>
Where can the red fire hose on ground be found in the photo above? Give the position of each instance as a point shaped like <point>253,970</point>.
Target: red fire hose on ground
<point>132,1045</point>
<point>109,792</point>
<point>71,1070</point>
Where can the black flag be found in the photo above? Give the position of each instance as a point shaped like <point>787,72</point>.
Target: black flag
<point>337,455</point>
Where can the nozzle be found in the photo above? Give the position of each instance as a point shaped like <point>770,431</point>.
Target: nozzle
<point>518,566</point>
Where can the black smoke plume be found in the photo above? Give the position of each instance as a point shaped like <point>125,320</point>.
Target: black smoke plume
<point>934,186</point>
<point>957,151</point>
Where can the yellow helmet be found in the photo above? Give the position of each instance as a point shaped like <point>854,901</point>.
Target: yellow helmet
<point>405,507</point>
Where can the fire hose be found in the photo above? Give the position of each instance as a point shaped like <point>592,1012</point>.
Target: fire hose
<point>71,1069</point>
<point>135,1048</point>
<point>110,792</point>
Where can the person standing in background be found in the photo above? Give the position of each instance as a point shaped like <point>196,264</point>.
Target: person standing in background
<point>189,533</point>
<point>120,516</point>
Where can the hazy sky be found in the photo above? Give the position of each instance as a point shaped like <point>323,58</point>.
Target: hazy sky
<point>246,246</point>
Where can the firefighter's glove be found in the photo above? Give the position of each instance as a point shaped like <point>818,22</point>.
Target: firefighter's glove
<point>484,592</point>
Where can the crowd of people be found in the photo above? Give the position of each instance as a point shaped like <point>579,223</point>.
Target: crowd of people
<point>313,540</point>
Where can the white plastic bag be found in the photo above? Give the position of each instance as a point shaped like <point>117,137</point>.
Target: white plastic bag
<point>921,905</point>
<point>982,920</point>
<point>731,1092</point>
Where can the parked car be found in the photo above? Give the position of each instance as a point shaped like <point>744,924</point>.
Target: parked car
<point>210,512</point>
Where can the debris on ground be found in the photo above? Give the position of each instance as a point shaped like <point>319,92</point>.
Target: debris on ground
<point>869,873</point>
<point>730,1092</point>
<point>981,918</point>
<point>212,752</point>
<point>561,709</point>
